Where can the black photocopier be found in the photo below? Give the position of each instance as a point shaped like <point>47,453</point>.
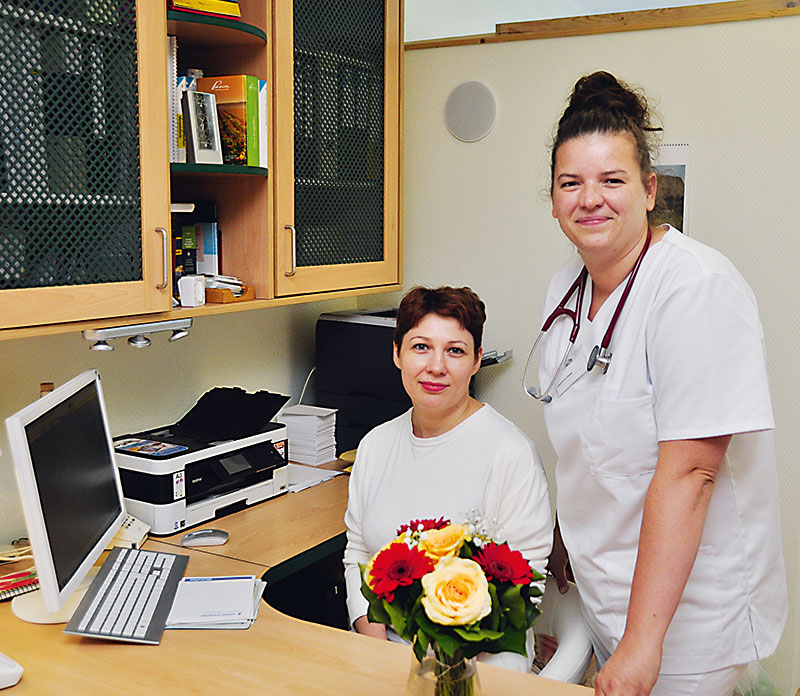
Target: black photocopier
<point>355,372</point>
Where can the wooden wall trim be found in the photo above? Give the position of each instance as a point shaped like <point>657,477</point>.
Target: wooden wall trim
<point>690,15</point>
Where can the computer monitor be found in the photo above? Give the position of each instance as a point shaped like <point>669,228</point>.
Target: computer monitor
<point>70,490</point>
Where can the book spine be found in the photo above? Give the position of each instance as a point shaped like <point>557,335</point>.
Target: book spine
<point>263,132</point>
<point>226,8</point>
<point>184,127</point>
<point>207,248</point>
<point>251,114</point>
<point>174,103</point>
<point>183,84</point>
<point>189,239</point>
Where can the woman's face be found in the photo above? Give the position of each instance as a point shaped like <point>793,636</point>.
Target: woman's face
<point>598,195</point>
<point>436,360</point>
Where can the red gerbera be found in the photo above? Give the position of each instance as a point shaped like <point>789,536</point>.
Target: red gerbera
<point>501,563</point>
<point>397,565</point>
<point>414,525</point>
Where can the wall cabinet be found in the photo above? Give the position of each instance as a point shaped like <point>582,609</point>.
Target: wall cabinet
<point>337,140</point>
<point>84,202</point>
<point>323,217</point>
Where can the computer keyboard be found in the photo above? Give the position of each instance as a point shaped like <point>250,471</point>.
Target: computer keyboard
<point>130,598</point>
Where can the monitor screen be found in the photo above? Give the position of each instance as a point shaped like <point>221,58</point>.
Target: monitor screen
<point>68,483</point>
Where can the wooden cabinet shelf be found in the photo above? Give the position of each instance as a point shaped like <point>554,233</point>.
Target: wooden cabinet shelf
<point>240,169</point>
<point>197,29</point>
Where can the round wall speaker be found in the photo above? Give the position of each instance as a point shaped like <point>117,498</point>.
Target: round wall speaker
<point>470,111</point>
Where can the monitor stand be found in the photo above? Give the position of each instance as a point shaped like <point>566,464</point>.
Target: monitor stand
<point>30,606</point>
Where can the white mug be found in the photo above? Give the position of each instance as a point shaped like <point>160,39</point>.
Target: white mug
<point>192,290</point>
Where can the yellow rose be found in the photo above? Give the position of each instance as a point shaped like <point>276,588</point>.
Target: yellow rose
<point>456,593</point>
<point>439,543</point>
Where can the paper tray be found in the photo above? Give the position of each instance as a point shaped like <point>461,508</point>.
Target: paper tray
<point>223,295</point>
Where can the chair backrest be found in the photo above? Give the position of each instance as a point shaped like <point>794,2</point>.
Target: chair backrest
<point>561,618</point>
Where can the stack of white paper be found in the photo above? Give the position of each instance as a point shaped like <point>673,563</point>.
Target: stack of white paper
<point>216,602</point>
<point>312,433</point>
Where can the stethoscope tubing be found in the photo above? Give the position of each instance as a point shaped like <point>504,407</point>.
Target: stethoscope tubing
<point>600,355</point>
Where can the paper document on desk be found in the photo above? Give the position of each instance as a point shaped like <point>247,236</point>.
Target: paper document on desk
<point>302,477</point>
<point>225,602</point>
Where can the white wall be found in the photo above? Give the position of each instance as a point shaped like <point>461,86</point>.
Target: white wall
<point>476,213</point>
<point>269,349</point>
<point>433,19</point>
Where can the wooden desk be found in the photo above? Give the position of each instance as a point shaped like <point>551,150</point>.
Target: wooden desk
<point>276,655</point>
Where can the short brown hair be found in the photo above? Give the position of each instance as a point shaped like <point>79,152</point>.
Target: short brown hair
<point>461,304</point>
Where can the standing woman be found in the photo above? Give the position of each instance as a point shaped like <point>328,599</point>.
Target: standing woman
<point>661,418</point>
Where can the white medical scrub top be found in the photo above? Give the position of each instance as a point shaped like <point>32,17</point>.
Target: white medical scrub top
<point>688,362</point>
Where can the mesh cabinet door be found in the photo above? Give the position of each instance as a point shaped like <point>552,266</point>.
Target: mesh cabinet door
<point>70,166</point>
<point>344,146</point>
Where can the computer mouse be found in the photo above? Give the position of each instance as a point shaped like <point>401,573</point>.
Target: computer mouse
<point>205,537</point>
<point>10,671</point>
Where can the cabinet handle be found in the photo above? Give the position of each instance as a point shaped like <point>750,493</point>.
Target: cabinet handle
<point>165,240</point>
<point>294,250</point>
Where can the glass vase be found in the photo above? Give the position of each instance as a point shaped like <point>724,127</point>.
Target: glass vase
<point>441,675</point>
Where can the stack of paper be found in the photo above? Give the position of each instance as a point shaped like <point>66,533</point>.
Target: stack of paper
<point>312,433</point>
<point>216,602</point>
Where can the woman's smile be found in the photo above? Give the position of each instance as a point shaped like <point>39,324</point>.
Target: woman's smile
<point>433,387</point>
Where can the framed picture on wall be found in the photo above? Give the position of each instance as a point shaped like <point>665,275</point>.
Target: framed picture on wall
<point>200,123</point>
<point>672,167</point>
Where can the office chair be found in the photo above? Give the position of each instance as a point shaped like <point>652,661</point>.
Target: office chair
<point>561,618</point>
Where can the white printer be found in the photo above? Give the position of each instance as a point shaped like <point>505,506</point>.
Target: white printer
<point>213,462</point>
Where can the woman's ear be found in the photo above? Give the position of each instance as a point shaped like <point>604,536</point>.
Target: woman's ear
<point>652,188</point>
<point>478,357</point>
<point>396,355</point>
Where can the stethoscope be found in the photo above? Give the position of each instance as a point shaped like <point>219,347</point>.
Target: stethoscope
<point>600,355</point>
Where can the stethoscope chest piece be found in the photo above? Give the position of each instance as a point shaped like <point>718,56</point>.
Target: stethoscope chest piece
<point>598,359</point>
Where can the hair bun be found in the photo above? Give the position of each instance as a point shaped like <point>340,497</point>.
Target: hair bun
<point>601,90</point>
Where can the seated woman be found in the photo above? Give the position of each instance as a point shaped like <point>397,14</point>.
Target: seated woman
<point>448,455</point>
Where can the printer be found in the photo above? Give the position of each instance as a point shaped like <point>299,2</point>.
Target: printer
<point>213,462</point>
<point>355,372</point>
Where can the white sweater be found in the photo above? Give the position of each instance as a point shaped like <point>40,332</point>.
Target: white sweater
<point>485,463</point>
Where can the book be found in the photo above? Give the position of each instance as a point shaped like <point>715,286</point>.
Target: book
<point>223,8</point>
<point>17,584</point>
<point>263,130</point>
<point>185,239</point>
<point>207,249</point>
<point>237,112</point>
<point>183,83</point>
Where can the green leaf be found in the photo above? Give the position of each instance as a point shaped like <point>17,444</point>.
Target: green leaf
<point>377,614</point>
<point>421,644</point>
<point>512,640</point>
<point>492,621</point>
<point>473,635</point>
<point>438,634</point>
<point>397,618</point>
<point>514,606</point>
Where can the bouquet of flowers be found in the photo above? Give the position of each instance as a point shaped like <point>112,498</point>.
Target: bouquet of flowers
<point>452,589</point>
